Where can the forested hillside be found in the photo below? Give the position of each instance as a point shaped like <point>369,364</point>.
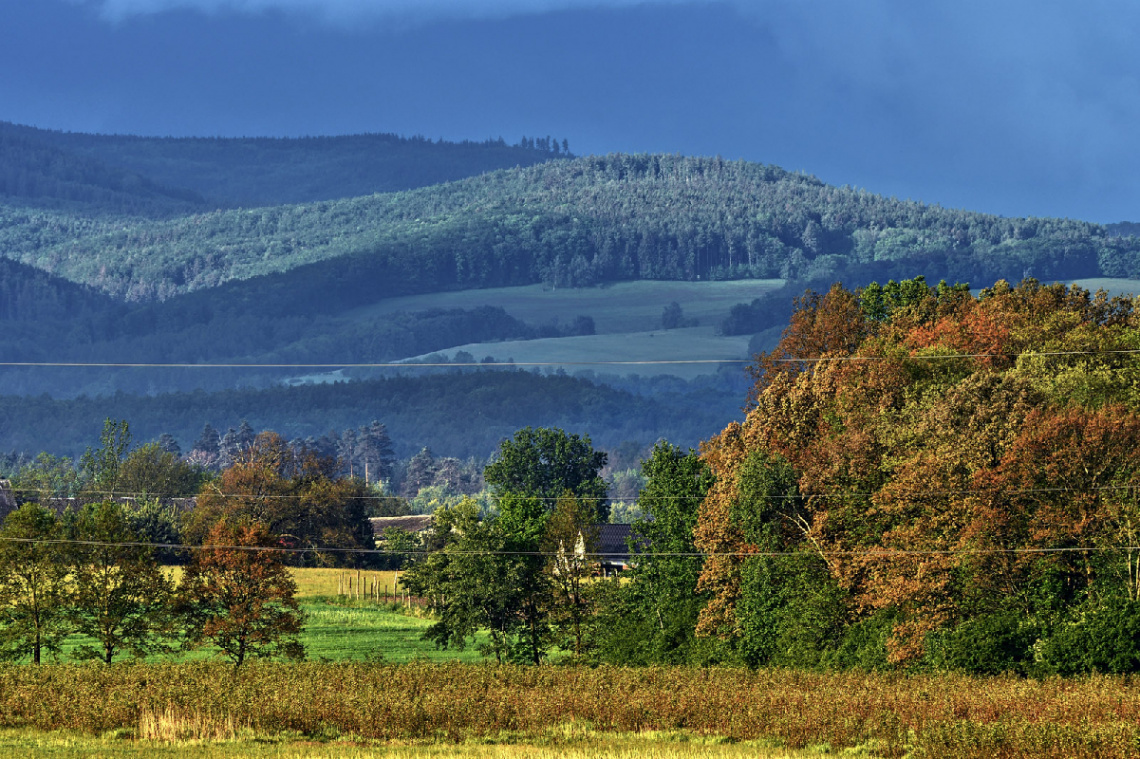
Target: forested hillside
<point>569,223</point>
<point>244,171</point>
<point>38,174</point>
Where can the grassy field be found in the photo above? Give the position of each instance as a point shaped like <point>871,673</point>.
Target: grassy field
<point>344,629</point>
<point>569,744</point>
<point>700,345</point>
<point>459,710</point>
<point>627,320</point>
<point>616,308</point>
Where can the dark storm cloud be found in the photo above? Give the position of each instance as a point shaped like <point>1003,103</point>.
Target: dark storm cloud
<point>351,11</point>
<point>1017,107</point>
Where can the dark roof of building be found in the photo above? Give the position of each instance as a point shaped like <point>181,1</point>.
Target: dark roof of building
<point>411,523</point>
<point>613,542</point>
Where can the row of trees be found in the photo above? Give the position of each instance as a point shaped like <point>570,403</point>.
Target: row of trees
<point>89,573</point>
<point>960,496</point>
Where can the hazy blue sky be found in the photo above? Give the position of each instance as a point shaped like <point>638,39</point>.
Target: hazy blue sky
<point>1010,107</point>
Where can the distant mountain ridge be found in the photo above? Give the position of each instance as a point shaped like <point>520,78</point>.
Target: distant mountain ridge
<point>207,172</point>
<point>114,250</point>
<point>567,223</point>
<point>40,174</point>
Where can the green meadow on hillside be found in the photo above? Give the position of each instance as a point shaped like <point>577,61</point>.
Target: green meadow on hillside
<point>617,307</point>
<point>687,353</point>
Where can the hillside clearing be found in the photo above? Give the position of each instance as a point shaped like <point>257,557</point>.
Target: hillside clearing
<point>649,349</point>
<point>1111,285</point>
<point>617,307</point>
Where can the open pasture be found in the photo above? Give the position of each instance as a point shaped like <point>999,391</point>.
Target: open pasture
<point>1111,285</point>
<point>575,354</point>
<point>343,628</point>
<point>616,308</point>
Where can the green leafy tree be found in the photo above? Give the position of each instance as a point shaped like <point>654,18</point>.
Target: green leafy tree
<point>33,591</point>
<point>47,477</point>
<point>158,522</point>
<point>119,594</point>
<point>571,543</point>
<point>673,317</point>
<point>239,598</point>
<point>469,583</point>
<point>488,574</point>
<point>659,605</point>
<point>101,466</point>
<point>547,462</point>
<point>150,470</point>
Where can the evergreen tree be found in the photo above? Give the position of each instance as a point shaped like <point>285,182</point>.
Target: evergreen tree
<point>208,441</point>
<point>167,443</point>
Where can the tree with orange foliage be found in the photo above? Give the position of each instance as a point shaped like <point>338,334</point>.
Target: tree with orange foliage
<point>919,468</point>
<point>237,594</point>
<point>293,495</point>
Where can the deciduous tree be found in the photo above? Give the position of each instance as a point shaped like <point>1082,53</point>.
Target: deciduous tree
<point>237,595</point>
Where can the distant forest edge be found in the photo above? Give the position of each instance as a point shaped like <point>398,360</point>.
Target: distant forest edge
<point>457,413</point>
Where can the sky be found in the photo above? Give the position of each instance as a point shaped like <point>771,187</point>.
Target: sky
<point>1007,106</point>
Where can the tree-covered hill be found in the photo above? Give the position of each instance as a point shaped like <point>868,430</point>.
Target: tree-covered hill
<point>570,223</point>
<point>258,171</point>
<point>38,174</point>
<point>31,295</point>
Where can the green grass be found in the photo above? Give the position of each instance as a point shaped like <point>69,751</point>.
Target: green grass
<point>368,631</point>
<point>616,308</point>
<point>574,354</point>
<point>627,320</point>
<point>341,629</point>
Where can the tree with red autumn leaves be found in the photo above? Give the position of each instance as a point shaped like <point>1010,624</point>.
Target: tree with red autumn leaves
<point>237,595</point>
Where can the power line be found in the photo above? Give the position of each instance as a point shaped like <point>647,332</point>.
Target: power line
<point>872,553</point>
<point>918,495</point>
<point>516,364</point>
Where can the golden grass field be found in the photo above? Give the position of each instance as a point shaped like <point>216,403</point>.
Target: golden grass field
<point>583,744</point>
<point>455,709</point>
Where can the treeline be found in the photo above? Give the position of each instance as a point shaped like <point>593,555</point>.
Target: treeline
<point>157,176</point>
<point>39,174</point>
<point>961,496</point>
<point>568,223</point>
<point>951,488</point>
<point>193,331</point>
<point>460,413</point>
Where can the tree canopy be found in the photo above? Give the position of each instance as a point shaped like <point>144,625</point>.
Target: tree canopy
<point>927,466</point>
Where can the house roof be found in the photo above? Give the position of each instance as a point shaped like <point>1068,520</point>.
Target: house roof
<point>411,523</point>
<point>613,542</point>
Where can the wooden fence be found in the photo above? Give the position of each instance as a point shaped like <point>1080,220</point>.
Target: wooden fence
<point>365,586</point>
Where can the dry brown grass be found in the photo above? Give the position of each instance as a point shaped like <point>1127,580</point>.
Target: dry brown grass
<point>936,716</point>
